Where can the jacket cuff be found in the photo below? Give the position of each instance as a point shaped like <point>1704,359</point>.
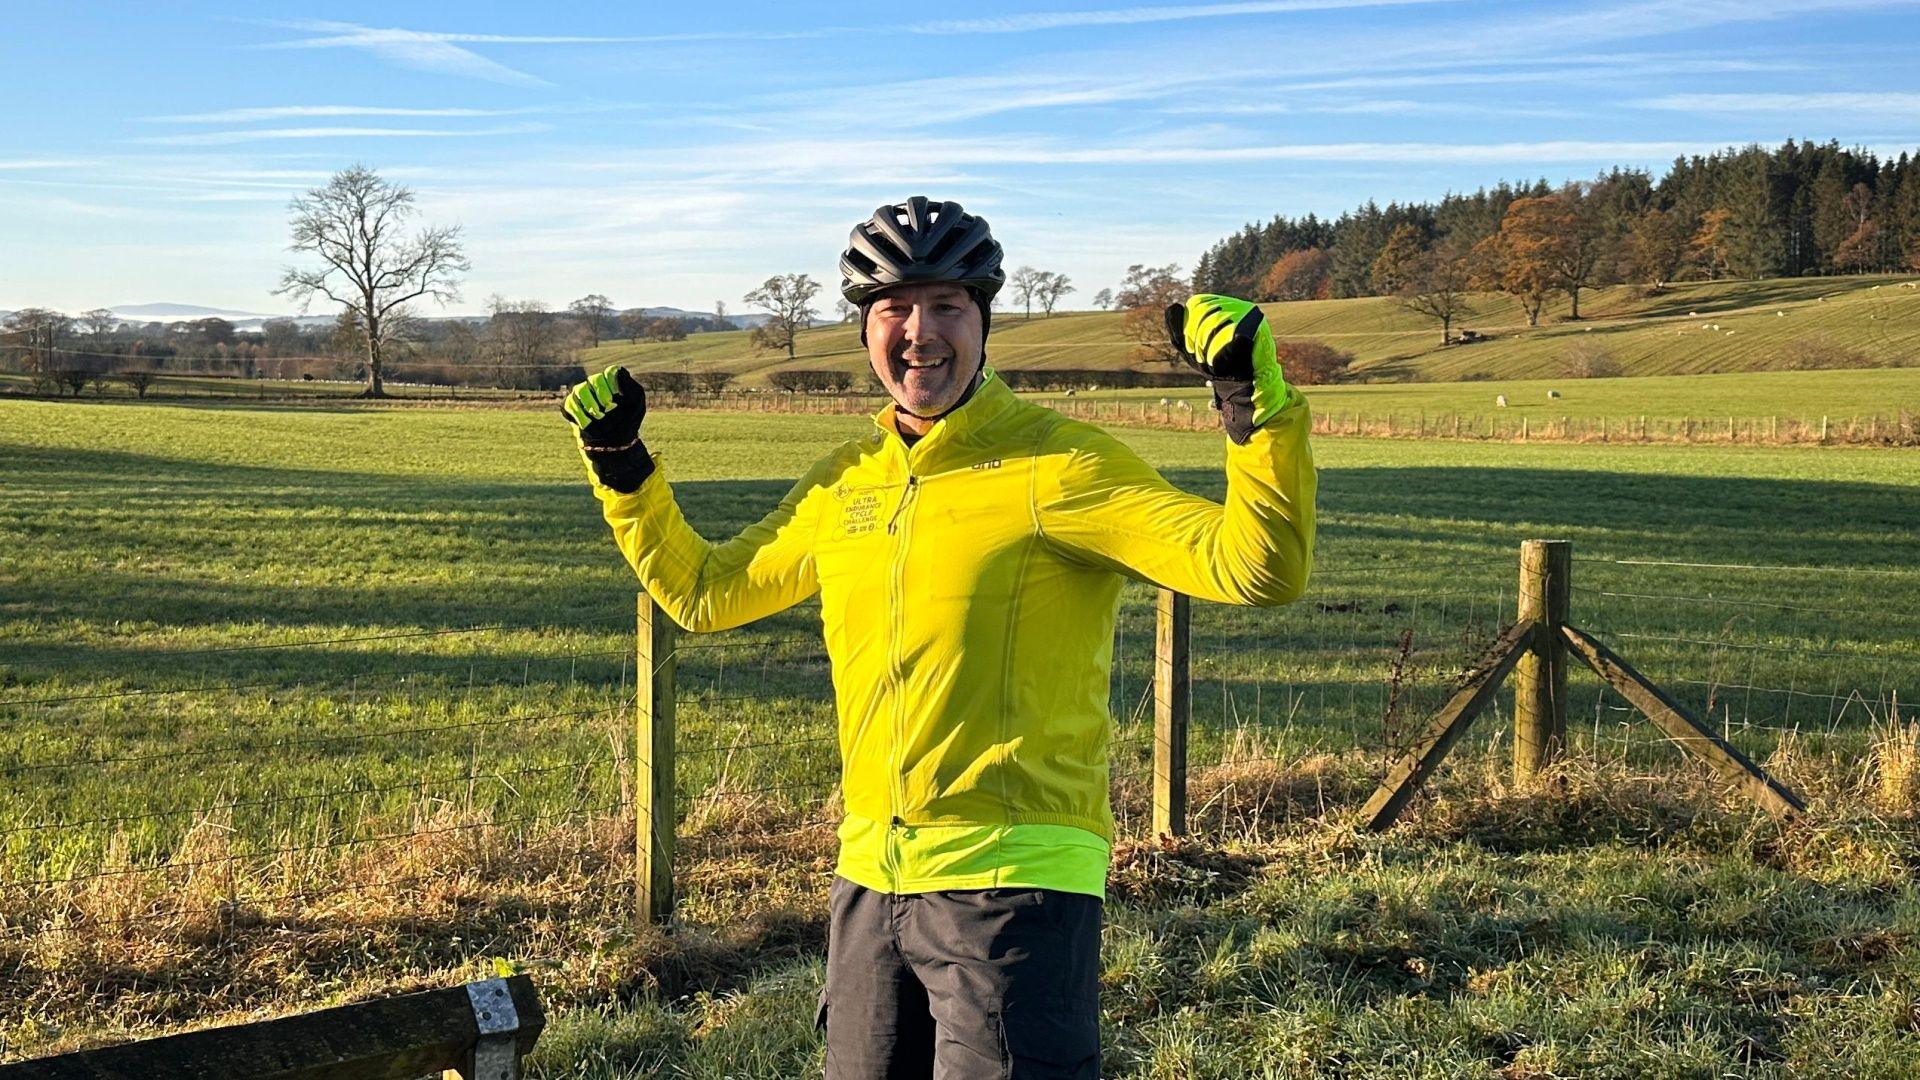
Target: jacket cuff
<point>623,470</point>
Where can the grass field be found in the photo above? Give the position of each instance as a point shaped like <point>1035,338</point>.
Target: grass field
<point>1758,326</point>
<point>219,605</point>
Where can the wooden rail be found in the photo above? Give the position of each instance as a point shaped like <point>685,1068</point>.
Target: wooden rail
<point>479,1031</point>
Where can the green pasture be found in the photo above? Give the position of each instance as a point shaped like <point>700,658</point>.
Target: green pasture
<point>1692,328</point>
<point>341,624</point>
<point>1806,396</point>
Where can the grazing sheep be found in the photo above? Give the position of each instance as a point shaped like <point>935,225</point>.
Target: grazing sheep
<point>1693,314</point>
<point>1166,401</point>
<point>1500,401</point>
<point>1876,288</point>
<point>1729,333</point>
<point>1551,394</point>
<point>1186,406</point>
<point>1069,391</point>
<point>1706,326</point>
<point>1779,314</point>
<point>1909,285</point>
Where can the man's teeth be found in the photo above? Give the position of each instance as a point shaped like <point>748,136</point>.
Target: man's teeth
<point>926,363</point>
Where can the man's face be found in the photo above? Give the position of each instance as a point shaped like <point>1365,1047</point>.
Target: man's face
<point>924,342</point>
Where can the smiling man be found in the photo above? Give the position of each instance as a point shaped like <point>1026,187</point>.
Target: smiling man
<point>968,554</point>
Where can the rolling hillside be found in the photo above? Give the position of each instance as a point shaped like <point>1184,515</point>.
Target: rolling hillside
<point>1699,327</point>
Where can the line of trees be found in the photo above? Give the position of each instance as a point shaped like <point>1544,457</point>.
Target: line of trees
<point>1798,209</point>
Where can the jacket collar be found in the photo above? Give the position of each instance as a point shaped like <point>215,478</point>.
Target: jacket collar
<point>985,406</point>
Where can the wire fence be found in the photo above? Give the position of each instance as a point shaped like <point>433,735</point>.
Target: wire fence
<point>290,785</point>
<point>153,792</point>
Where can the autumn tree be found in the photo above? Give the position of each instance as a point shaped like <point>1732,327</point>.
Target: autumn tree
<point>1494,267</point>
<point>368,265</point>
<point>1299,275</point>
<point>1544,244</point>
<point>1707,247</point>
<point>1398,261</point>
<point>594,312</point>
<point>788,299</point>
<point>1144,295</point>
<point>1439,286</point>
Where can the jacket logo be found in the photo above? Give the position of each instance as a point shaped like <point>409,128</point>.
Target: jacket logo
<point>860,514</point>
<point>994,464</point>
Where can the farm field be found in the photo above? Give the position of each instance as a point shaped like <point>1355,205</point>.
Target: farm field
<point>1795,395</point>
<point>219,604</point>
<point>1695,327</point>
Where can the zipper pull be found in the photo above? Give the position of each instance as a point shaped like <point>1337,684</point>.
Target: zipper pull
<point>892,522</point>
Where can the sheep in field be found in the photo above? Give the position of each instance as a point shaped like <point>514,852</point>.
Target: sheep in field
<point>1500,401</point>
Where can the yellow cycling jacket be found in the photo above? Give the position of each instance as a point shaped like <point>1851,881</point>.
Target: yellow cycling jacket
<point>968,590</point>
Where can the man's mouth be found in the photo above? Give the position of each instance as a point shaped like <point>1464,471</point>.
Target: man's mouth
<point>916,363</point>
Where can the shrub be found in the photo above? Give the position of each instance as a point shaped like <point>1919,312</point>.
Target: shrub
<point>1307,363</point>
<point>1821,353</point>
<point>1586,360</point>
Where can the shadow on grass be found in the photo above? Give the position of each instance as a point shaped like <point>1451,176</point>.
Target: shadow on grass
<point>174,544</point>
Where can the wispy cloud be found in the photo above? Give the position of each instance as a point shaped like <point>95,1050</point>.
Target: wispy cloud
<point>1902,105</point>
<point>1061,20</point>
<point>39,163</point>
<point>227,138</point>
<point>291,112</point>
<point>444,52</point>
<point>436,53</point>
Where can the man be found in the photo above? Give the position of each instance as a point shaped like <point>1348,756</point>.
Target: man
<point>969,555</point>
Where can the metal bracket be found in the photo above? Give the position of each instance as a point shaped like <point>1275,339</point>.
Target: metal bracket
<point>496,1053</point>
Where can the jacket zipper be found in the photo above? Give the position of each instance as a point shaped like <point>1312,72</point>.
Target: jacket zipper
<point>898,613</point>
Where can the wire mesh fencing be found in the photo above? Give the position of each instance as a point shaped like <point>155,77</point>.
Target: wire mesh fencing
<point>192,794</point>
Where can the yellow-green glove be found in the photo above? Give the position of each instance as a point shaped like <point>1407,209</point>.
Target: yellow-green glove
<point>606,412</point>
<point>1229,341</point>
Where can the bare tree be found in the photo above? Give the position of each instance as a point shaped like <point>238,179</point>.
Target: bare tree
<point>594,312</point>
<point>1026,283</point>
<point>788,298</point>
<point>99,322</point>
<point>1103,299</point>
<point>33,336</point>
<point>845,311</point>
<point>368,266</point>
<point>1051,288</point>
<point>1437,285</point>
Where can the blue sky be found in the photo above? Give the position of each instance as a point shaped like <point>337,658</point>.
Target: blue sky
<point>680,154</point>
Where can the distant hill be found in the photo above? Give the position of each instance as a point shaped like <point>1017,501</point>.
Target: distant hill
<point>1774,324</point>
<point>175,312</point>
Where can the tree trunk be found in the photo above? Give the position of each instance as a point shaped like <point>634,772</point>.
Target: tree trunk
<point>376,384</point>
<point>1574,293</point>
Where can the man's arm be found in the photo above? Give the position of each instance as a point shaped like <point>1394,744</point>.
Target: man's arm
<point>705,586</point>
<point>1107,507</point>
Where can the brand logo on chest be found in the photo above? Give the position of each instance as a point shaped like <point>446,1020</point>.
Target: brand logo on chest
<point>859,512</point>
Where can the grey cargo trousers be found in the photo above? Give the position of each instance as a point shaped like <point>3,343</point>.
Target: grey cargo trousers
<point>967,984</point>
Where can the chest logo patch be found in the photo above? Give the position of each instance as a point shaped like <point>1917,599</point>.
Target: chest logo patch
<point>860,513</point>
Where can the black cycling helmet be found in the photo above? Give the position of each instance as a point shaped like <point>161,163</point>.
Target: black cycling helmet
<point>920,241</point>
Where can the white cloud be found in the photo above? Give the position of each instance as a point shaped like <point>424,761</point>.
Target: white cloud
<point>286,112</point>
<point>226,138</point>
<point>1058,20</point>
<point>1903,105</point>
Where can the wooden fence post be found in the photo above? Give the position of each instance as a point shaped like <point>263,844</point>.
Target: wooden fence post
<point>654,811</point>
<point>1540,678</point>
<point>1172,710</point>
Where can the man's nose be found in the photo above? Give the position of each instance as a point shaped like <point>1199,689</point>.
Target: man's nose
<point>918,327</point>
